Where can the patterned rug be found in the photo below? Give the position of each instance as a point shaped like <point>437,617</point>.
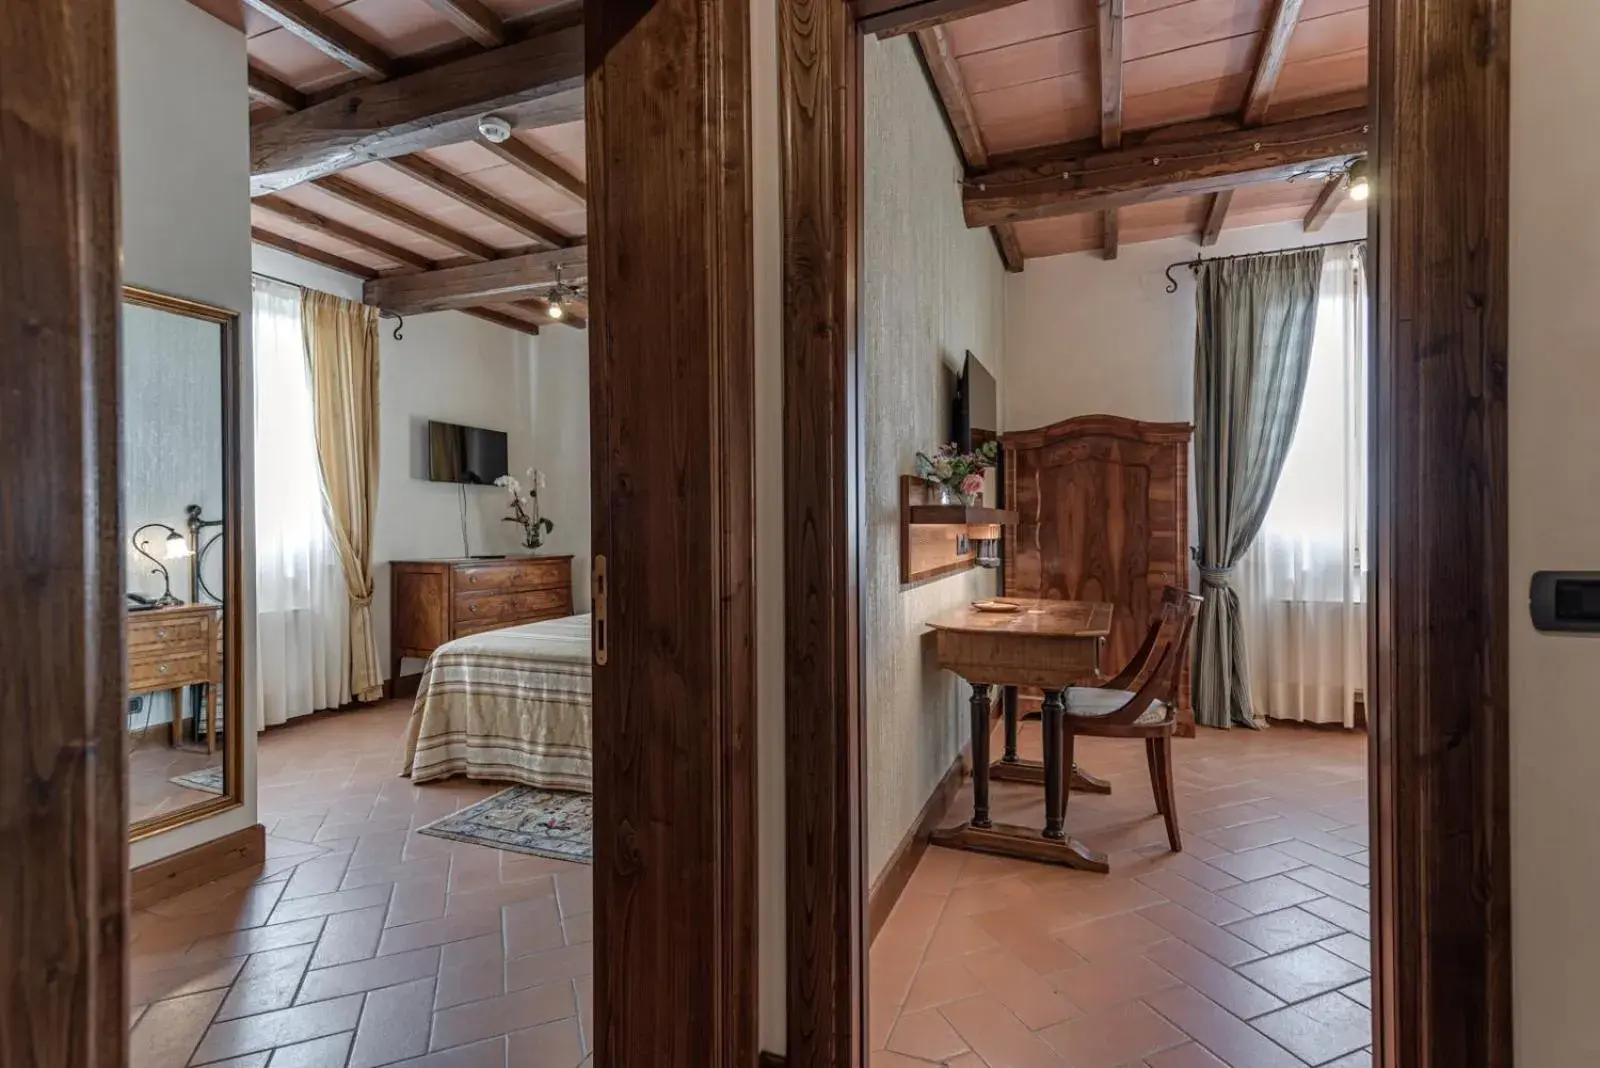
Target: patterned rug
<point>208,780</point>
<point>545,823</point>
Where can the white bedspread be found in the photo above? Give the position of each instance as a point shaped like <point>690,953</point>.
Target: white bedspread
<point>509,705</point>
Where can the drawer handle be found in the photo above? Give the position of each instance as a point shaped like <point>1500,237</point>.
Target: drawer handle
<point>473,579</point>
<point>473,607</point>
<point>161,632</point>
<point>163,669</point>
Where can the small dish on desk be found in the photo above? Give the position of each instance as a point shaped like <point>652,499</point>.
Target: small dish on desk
<point>996,606</point>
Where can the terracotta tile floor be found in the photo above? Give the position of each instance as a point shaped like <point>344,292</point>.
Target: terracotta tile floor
<point>363,943</point>
<point>152,763</point>
<point>1248,950</point>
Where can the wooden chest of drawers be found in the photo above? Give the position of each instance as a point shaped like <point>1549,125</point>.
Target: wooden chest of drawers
<point>170,648</point>
<point>437,600</point>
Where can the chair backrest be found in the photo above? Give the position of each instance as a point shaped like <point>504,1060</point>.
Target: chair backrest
<point>1137,669</point>
<point>1168,653</point>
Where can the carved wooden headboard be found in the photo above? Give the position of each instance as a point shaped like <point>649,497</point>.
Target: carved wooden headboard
<point>1103,506</point>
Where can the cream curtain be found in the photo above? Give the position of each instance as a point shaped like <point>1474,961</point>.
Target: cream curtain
<point>1256,317</point>
<point>342,353</point>
<point>302,608</point>
<point>1303,584</point>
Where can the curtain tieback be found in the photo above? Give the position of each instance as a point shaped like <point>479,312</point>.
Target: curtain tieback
<point>1216,577</point>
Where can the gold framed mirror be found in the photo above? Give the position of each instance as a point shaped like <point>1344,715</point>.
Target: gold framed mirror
<point>181,536</point>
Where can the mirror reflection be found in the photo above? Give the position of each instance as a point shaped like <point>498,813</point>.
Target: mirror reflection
<point>175,380</point>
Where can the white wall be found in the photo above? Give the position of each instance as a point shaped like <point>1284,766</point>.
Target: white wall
<point>460,369</point>
<point>1086,336</point>
<point>1555,516</point>
<point>183,113</point>
<point>931,289</point>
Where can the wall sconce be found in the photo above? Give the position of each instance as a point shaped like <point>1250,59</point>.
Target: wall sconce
<point>174,547</point>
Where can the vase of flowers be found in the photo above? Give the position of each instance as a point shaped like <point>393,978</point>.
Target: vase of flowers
<point>525,507</point>
<point>957,476</point>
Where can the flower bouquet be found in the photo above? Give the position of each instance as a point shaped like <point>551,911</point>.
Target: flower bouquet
<point>525,507</point>
<point>958,475</point>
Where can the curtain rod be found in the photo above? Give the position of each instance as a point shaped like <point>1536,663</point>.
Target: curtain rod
<point>400,320</point>
<point>1194,264</point>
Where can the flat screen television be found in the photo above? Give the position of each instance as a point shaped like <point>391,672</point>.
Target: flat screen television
<point>975,415</point>
<point>465,454</point>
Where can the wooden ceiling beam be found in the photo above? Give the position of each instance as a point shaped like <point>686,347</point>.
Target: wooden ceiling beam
<point>474,20</point>
<point>1111,12</point>
<point>1070,179</point>
<point>503,281</point>
<point>895,18</point>
<point>327,36</point>
<point>530,160</point>
<point>1216,218</point>
<point>482,201</point>
<point>532,83</point>
<point>361,197</point>
<point>315,220</point>
<point>1005,240</point>
<point>499,318</point>
<point>1334,192</point>
<point>1269,65</point>
<point>265,89</point>
<point>263,236</point>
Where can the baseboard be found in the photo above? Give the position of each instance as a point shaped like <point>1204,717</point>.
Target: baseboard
<point>771,1060</point>
<point>205,863</point>
<point>891,882</point>
<point>404,686</point>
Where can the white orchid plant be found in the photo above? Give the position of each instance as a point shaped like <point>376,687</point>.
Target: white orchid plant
<point>525,507</point>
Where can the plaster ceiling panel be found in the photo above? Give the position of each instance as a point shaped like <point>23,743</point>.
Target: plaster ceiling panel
<point>277,224</point>
<point>1188,66</point>
<point>1027,21</point>
<point>1162,218</point>
<point>398,27</point>
<point>309,196</point>
<point>1065,233</point>
<point>1318,78</point>
<point>1193,23</point>
<point>563,143</point>
<point>1031,61</point>
<point>534,196</point>
<point>283,55</point>
<point>444,209</point>
<point>1185,103</point>
<point>512,10</point>
<point>1331,35</point>
<point>1039,113</point>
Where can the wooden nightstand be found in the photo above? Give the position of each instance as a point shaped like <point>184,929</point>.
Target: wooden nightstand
<point>170,648</point>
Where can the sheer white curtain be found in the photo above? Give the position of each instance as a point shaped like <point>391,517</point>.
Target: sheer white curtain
<point>304,648</point>
<point>1303,584</point>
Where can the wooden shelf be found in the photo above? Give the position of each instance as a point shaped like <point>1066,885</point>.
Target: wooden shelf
<point>950,515</point>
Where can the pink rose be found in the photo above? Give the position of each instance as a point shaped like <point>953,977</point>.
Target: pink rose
<point>972,485</point>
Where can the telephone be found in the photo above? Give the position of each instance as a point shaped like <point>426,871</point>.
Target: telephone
<point>136,603</point>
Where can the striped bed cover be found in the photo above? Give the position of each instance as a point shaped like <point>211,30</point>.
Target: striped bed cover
<point>508,705</point>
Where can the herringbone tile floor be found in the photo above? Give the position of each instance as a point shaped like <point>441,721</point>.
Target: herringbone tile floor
<point>363,943</point>
<point>1247,950</point>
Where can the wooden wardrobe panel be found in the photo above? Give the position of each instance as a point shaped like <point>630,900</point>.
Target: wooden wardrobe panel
<point>1103,506</point>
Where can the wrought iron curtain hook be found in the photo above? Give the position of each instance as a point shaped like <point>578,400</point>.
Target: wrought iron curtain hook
<point>400,322</point>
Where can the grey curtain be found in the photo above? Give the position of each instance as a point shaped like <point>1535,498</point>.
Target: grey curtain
<point>1255,320</point>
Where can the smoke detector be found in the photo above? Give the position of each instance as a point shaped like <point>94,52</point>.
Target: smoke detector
<point>494,128</point>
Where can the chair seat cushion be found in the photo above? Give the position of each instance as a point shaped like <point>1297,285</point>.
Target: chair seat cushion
<point>1092,701</point>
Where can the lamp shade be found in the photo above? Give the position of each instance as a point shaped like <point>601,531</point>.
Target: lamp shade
<point>177,546</point>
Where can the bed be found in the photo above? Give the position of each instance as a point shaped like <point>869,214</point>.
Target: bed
<point>509,705</point>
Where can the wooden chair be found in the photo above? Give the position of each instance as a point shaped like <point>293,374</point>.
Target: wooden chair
<point>1116,709</point>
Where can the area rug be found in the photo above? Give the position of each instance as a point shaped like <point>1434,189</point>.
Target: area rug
<point>208,780</point>
<point>523,819</point>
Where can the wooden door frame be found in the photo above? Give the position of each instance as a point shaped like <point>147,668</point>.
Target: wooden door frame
<point>1439,650</point>
<point>63,806</point>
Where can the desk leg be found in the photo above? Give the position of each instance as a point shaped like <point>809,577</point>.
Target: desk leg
<point>1008,700</point>
<point>1054,814</point>
<point>980,756</point>
<point>211,718</point>
<point>176,699</point>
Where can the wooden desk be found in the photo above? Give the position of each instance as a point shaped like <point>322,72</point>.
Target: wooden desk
<point>170,648</point>
<point>1048,644</point>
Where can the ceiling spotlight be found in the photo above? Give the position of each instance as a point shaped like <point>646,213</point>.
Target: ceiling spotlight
<point>495,129</point>
<point>1360,180</point>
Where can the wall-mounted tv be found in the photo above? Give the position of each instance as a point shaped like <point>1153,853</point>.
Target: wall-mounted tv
<point>975,406</point>
<point>465,454</point>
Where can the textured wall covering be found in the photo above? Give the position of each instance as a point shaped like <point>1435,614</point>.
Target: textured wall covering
<point>931,289</point>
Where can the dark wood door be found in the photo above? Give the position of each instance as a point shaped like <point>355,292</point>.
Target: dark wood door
<point>1103,511</point>
<point>671,360</point>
